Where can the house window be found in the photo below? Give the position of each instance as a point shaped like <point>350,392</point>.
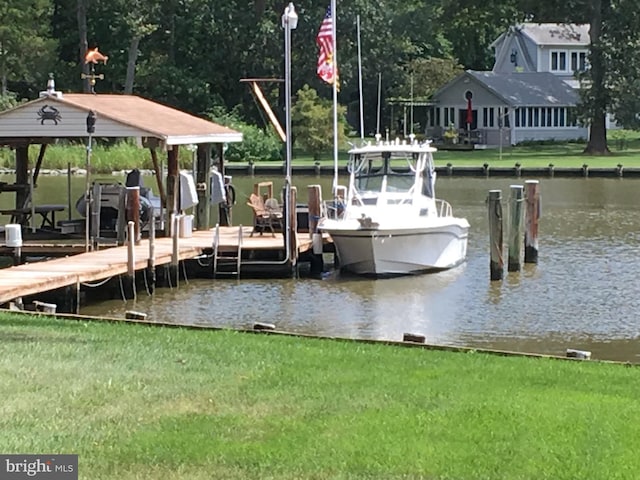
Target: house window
<point>437,120</point>
<point>549,117</point>
<point>505,118</point>
<point>578,61</point>
<point>536,117</point>
<point>558,61</point>
<point>449,116</point>
<point>488,116</point>
<point>543,117</point>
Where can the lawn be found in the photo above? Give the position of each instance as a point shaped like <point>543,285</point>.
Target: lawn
<point>139,402</point>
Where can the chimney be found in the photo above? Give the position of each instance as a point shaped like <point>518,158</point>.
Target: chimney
<point>51,89</point>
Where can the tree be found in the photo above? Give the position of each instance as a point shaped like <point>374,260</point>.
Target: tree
<point>427,75</point>
<point>312,122</point>
<point>609,83</point>
<point>26,47</point>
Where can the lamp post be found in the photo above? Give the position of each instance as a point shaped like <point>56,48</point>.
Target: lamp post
<point>289,22</point>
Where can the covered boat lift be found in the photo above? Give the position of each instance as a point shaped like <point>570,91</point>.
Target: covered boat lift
<point>55,115</point>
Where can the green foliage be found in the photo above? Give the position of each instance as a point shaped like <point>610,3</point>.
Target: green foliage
<point>312,123</point>
<point>8,100</point>
<point>257,144</point>
<point>26,47</point>
<point>427,75</point>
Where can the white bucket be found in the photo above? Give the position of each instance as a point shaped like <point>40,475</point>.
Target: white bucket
<point>186,226</point>
<point>13,235</point>
<point>316,241</point>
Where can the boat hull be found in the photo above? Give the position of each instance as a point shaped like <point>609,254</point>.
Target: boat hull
<point>388,252</point>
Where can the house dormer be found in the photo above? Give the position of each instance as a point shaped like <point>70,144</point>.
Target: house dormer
<point>558,48</point>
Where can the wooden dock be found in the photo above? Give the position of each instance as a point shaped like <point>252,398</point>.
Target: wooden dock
<point>34,278</point>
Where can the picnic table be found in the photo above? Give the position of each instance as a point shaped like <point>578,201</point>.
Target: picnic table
<point>47,212</point>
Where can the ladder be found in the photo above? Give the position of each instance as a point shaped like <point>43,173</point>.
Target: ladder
<point>225,260</point>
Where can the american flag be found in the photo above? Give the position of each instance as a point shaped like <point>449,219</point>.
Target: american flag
<point>327,69</point>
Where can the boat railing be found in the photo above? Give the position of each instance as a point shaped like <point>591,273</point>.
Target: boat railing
<point>443,208</point>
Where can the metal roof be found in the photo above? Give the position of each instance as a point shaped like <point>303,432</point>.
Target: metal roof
<point>126,116</point>
<point>519,89</point>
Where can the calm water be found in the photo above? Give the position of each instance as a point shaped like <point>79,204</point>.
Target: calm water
<point>583,293</point>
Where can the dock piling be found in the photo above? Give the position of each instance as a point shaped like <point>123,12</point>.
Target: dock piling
<point>496,260</point>
<point>532,214</point>
<point>515,228</point>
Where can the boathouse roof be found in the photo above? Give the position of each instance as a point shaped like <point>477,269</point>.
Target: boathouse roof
<point>117,116</point>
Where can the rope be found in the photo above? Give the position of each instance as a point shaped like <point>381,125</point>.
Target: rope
<point>184,273</point>
<point>99,284</point>
<point>124,298</point>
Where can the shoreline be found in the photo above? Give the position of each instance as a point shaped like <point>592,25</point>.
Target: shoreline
<point>484,171</point>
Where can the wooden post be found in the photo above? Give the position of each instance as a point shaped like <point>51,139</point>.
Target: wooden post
<point>173,268</point>
<point>130,283</point>
<point>95,213</point>
<point>121,221</point>
<point>514,242</point>
<point>173,188</point>
<point>133,211</point>
<point>496,262</point>
<point>532,214</point>
<point>314,202</point>
<point>203,179</point>
<point>151,263</point>
<point>22,177</point>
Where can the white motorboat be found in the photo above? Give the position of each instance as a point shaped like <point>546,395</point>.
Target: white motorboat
<point>389,221</point>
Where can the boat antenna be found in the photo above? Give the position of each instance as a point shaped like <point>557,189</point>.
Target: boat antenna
<point>411,110</point>
<point>360,80</point>
<point>379,94</point>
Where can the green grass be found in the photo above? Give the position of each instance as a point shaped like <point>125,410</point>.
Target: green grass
<point>140,402</point>
<point>624,145</point>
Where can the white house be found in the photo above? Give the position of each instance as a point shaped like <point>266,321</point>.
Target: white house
<point>529,95</point>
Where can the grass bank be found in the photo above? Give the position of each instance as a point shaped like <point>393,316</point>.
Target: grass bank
<point>139,402</point>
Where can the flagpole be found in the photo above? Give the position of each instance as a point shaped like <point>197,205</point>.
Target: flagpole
<point>360,81</point>
<point>334,15</point>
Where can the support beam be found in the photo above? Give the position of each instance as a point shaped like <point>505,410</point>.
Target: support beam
<point>173,188</point>
<point>203,185</point>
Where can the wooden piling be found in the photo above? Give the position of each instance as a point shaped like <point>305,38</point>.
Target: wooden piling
<point>133,211</point>
<point>203,183</point>
<point>173,268</point>
<point>314,203</point>
<point>496,260</point>
<point>121,221</point>
<point>514,241</point>
<point>151,263</point>
<point>129,289</point>
<point>532,214</point>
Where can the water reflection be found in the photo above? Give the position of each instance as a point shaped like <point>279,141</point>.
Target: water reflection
<point>584,292</point>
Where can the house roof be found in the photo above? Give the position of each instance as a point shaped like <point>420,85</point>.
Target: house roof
<point>527,89</point>
<point>538,89</point>
<point>117,116</point>
<point>552,34</point>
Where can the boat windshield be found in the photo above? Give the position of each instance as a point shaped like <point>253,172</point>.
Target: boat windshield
<point>370,169</point>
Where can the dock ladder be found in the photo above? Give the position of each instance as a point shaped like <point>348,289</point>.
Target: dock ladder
<point>226,259</point>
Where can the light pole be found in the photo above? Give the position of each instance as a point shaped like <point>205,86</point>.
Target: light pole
<point>289,22</point>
